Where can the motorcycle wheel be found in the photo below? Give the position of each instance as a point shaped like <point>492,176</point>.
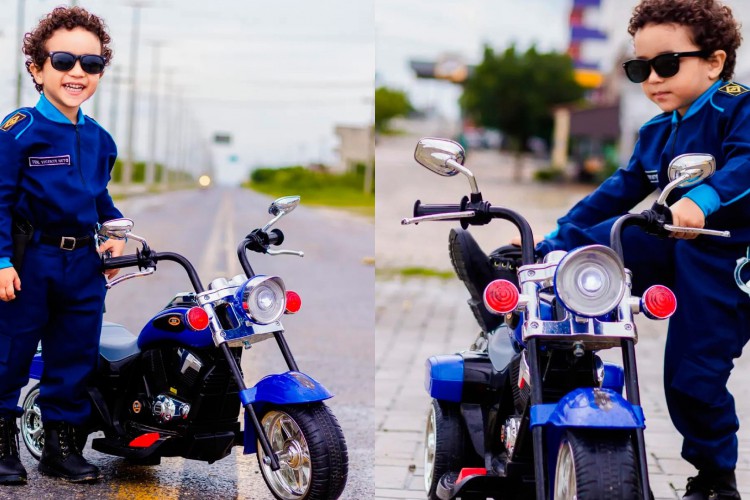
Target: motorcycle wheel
<point>32,431</point>
<point>445,444</point>
<point>311,449</point>
<point>595,465</point>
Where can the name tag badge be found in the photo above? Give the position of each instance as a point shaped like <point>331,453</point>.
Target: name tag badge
<point>49,161</point>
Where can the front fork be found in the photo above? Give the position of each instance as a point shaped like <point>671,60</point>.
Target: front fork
<point>237,373</point>
<point>633,397</point>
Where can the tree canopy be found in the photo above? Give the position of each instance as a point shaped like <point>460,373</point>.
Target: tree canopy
<point>516,92</point>
<point>389,103</point>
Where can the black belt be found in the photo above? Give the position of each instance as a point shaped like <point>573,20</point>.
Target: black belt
<point>65,242</point>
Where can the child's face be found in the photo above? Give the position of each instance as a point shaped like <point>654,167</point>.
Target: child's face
<point>694,77</point>
<point>66,90</point>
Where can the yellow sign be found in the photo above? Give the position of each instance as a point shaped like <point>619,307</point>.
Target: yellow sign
<point>733,89</point>
<point>12,121</point>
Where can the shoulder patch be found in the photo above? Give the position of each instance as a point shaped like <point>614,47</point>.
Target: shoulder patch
<point>12,121</point>
<point>733,89</point>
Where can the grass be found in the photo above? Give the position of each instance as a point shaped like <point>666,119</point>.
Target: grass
<point>316,188</point>
<point>415,272</point>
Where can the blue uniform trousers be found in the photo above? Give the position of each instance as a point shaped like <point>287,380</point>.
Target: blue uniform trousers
<point>60,303</point>
<point>708,331</point>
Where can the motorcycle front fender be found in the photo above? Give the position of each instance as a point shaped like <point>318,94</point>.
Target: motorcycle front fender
<point>589,407</point>
<point>279,389</point>
<point>35,372</point>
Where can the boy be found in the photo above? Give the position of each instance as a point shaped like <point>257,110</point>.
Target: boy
<point>54,167</point>
<point>685,55</point>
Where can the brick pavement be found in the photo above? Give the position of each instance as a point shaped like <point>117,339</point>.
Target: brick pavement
<point>417,318</point>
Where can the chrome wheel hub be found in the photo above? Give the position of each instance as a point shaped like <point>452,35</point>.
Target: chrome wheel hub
<point>565,474</point>
<point>429,450</point>
<point>32,431</point>
<point>292,480</point>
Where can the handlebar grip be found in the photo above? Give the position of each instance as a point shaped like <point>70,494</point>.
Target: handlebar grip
<point>120,262</point>
<point>275,237</point>
<point>433,209</point>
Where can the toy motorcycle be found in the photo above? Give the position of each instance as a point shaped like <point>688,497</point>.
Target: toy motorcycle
<point>530,410</point>
<point>177,388</point>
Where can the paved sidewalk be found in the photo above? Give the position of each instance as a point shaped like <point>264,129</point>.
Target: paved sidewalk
<point>418,318</point>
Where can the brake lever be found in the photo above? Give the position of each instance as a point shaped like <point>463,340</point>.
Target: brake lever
<point>446,216</point>
<point>145,272</point>
<point>286,252</point>
<point>697,230</point>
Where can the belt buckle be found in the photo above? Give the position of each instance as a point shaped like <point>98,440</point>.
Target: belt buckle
<point>67,243</point>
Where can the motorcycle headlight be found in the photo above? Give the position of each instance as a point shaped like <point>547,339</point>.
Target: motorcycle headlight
<point>590,281</point>
<point>263,298</point>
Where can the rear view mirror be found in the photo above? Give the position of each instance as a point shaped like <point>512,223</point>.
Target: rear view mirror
<point>697,166</point>
<point>438,154</point>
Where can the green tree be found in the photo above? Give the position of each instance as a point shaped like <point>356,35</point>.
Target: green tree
<point>516,92</point>
<point>389,103</point>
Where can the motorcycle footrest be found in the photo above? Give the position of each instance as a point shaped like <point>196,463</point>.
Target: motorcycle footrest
<point>121,448</point>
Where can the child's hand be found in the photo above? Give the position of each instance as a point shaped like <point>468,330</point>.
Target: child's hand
<point>116,247</point>
<point>9,284</point>
<point>686,213</point>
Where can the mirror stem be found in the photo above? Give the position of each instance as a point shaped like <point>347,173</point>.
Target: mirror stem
<point>467,173</point>
<point>689,174</point>
<point>272,222</point>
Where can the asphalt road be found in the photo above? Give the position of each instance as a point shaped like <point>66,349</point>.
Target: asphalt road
<point>331,337</point>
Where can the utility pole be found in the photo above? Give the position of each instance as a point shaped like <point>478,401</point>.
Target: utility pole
<point>151,165</point>
<point>127,170</point>
<point>19,50</point>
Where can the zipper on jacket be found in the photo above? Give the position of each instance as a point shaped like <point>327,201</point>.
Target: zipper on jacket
<point>674,141</point>
<point>78,157</point>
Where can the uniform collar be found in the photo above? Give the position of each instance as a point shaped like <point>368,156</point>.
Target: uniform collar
<point>698,103</point>
<point>49,111</point>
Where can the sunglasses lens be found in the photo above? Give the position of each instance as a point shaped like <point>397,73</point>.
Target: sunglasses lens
<point>666,65</point>
<point>62,61</point>
<point>93,65</point>
<point>637,70</point>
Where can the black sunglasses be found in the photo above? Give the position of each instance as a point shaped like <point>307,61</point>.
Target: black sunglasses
<point>90,63</point>
<point>665,65</point>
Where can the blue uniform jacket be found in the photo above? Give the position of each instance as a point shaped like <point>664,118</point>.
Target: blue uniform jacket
<point>53,174</point>
<point>718,123</point>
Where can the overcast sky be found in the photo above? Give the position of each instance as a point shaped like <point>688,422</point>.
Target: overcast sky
<point>278,76</point>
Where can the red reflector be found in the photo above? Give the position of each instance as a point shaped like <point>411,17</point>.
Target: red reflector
<point>658,302</point>
<point>145,440</point>
<point>293,302</point>
<point>469,471</point>
<point>196,318</point>
<point>501,296</point>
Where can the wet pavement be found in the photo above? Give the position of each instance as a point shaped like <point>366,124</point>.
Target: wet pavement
<point>420,317</point>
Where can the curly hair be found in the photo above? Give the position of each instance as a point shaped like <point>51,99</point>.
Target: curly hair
<point>62,18</point>
<point>710,22</point>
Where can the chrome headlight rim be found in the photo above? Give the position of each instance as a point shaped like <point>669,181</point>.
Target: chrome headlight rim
<point>604,263</point>
<point>248,292</point>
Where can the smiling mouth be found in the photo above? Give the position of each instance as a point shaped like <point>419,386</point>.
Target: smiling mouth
<point>73,87</point>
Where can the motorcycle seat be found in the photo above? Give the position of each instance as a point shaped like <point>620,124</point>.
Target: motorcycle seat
<point>117,342</point>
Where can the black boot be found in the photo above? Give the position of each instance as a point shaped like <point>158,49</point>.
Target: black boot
<point>11,469</point>
<point>61,456</point>
<point>721,485</point>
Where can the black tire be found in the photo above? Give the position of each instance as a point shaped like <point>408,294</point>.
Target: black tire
<point>446,444</point>
<point>597,464</point>
<point>315,445</point>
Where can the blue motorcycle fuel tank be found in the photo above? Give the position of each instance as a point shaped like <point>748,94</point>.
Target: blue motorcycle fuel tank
<point>169,325</point>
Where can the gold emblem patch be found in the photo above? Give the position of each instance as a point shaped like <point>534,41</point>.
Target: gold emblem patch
<point>174,321</point>
<point>136,406</point>
<point>12,121</point>
<point>733,89</point>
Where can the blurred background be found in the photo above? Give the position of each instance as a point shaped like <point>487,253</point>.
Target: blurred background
<point>220,89</point>
<point>450,61</point>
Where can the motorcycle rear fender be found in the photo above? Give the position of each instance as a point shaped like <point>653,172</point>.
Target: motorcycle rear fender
<point>589,407</point>
<point>283,388</point>
<point>444,377</point>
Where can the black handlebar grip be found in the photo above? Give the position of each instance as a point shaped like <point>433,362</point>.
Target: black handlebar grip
<point>275,237</point>
<point>422,209</point>
<point>120,262</point>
